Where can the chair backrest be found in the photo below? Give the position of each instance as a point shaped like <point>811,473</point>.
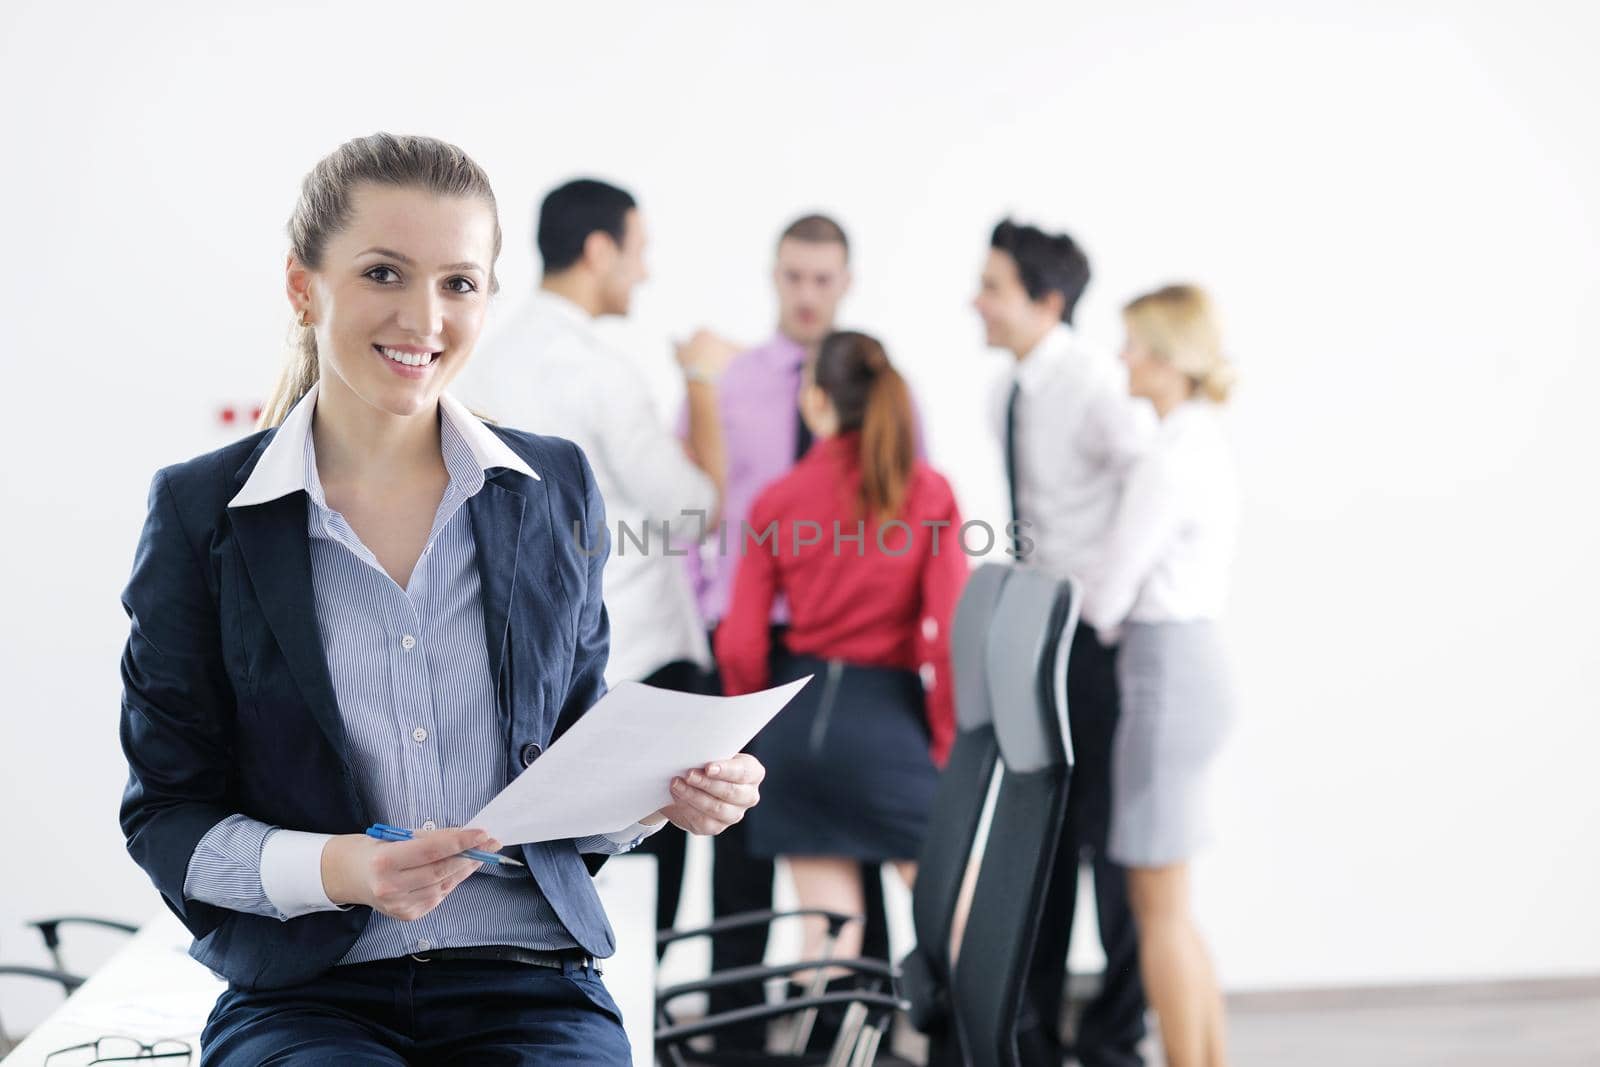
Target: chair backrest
<point>964,783</point>
<point>959,800</point>
<point>1027,651</point>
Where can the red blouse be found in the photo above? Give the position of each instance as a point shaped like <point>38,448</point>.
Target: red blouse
<point>885,600</point>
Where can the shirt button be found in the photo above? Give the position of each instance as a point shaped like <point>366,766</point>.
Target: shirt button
<point>419,735</point>
<point>429,824</point>
<point>530,752</point>
<point>424,945</point>
<point>408,642</point>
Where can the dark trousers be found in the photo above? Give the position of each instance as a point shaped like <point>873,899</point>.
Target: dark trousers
<point>1113,1022</point>
<point>742,883</point>
<point>669,844</point>
<point>403,1012</point>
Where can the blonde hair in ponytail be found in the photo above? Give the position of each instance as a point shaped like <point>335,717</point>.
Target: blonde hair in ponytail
<point>326,201</point>
<point>299,374</point>
<point>870,395</point>
<point>1179,325</point>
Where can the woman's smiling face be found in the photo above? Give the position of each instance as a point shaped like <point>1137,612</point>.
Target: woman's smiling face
<point>399,298</point>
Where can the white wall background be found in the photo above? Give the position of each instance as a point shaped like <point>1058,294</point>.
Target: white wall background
<point>1395,203</point>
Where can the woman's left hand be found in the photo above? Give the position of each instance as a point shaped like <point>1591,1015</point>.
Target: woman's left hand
<point>710,800</point>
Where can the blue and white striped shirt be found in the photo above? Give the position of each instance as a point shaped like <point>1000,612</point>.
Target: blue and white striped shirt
<point>410,672</point>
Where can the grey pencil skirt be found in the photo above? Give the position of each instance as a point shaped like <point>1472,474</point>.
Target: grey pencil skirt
<point>1177,706</point>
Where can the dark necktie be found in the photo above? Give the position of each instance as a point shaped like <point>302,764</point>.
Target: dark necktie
<point>802,433</point>
<point>1011,453</point>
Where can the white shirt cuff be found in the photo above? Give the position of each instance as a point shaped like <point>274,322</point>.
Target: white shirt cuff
<point>634,834</point>
<point>291,873</point>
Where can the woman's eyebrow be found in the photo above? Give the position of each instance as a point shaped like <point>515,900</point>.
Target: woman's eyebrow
<point>408,261</point>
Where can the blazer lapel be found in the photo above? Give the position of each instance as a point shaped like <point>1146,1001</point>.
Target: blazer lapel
<point>277,554</point>
<point>496,514</point>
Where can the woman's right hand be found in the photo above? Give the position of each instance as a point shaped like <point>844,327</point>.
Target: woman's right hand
<point>402,879</point>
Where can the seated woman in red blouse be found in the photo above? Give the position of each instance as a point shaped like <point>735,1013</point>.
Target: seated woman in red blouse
<point>865,550</point>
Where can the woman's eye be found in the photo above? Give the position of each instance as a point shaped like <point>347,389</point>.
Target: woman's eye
<point>459,284</point>
<point>383,275</point>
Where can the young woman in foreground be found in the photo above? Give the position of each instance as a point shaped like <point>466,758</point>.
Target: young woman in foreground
<point>376,612</point>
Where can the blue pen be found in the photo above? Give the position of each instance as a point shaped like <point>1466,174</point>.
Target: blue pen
<point>385,832</point>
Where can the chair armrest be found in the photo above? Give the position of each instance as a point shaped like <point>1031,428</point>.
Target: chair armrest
<point>672,1035</point>
<point>49,929</point>
<point>68,982</point>
<point>760,973</point>
<point>836,922</point>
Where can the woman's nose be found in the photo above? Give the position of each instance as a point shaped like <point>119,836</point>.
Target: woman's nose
<point>422,313</point>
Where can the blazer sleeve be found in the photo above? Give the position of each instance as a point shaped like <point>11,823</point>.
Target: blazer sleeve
<point>587,682</point>
<point>177,707</point>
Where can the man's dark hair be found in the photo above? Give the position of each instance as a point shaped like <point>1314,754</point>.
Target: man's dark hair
<point>571,212</point>
<point>818,229</point>
<point>1047,263</point>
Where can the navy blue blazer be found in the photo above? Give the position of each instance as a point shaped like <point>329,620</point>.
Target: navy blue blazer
<point>228,706</point>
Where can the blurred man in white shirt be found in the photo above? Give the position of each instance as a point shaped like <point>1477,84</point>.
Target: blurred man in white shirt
<point>547,371</point>
<point>1070,433</point>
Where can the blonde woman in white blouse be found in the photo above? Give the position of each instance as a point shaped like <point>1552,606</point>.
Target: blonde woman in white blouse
<point>1158,589</point>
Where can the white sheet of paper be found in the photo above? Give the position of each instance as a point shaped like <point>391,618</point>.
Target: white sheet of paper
<point>616,764</point>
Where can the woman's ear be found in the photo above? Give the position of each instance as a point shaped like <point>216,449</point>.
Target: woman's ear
<point>813,399</point>
<point>808,405</point>
<point>816,409</point>
<point>297,283</point>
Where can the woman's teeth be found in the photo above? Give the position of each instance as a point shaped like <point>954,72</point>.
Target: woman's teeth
<point>410,359</point>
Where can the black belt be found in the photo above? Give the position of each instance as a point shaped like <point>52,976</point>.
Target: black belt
<point>510,954</point>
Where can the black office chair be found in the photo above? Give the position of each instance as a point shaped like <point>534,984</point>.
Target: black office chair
<point>957,811</point>
<point>67,982</point>
<point>1027,660</point>
<point>957,808</point>
<point>50,931</point>
<point>880,978</point>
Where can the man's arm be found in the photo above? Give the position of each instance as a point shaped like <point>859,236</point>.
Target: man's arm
<point>704,359</point>
<point>644,462</point>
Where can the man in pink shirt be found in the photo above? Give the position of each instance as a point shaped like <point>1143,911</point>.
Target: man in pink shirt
<point>758,392</point>
<point>764,436</point>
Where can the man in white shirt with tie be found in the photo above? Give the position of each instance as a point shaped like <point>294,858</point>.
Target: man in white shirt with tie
<point>1070,432</point>
<point>547,371</point>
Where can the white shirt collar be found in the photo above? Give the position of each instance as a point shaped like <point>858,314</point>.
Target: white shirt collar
<point>1037,366</point>
<point>281,469</point>
<point>555,304</point>
<point>1195,410</point>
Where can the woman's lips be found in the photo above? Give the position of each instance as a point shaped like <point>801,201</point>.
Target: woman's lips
<point>407,361</point>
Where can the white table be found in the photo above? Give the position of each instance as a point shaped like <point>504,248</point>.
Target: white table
<point>627,886</point>
<point>152,988</point>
